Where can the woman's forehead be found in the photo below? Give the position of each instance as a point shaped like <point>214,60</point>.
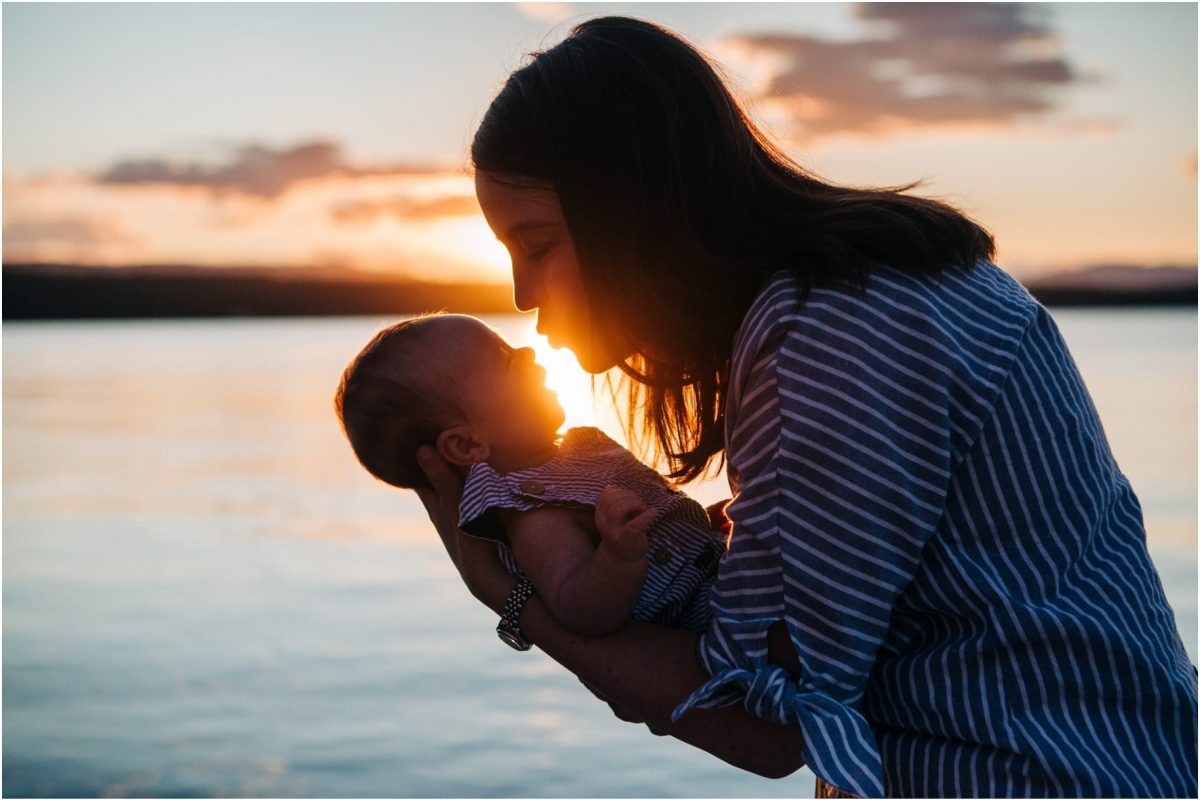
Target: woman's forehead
<point>512,210</point>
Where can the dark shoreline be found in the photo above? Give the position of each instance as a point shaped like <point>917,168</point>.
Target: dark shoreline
<point>90,293</point>
<point>1112,298</point>
<point>32,292</point>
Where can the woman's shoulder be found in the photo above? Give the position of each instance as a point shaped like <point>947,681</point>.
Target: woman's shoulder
<point>983,308</point>
<point>941,347</point>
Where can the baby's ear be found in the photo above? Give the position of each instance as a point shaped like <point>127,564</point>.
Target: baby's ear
<point>459,445</point>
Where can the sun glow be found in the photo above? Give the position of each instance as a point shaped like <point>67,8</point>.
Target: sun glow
<point>572,385</point>
<point>471,240</point>
<point>564,377</point>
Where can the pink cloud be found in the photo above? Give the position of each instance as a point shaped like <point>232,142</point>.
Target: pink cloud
<point>255,170</point>
<point>930,65</point>
<point>553,13</point>
<point>361,211</point>
<point>68,238</point>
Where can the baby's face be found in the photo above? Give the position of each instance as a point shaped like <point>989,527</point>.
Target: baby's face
<point>501,390</point>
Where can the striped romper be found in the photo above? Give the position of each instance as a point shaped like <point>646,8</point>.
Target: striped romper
<point>925,495</point>
<point>684,550</point>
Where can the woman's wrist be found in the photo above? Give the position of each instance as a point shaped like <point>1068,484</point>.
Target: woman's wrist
<point>493,590</point>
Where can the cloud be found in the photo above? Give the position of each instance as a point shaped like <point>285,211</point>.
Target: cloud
<point>553,13</point>
<point>364,211</point>
<point>927,65</point>
<point>255,170</point>
<point>75,220</point>
<point>68,238</point>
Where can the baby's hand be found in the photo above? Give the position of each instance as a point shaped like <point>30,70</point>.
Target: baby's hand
<point>622,519</point>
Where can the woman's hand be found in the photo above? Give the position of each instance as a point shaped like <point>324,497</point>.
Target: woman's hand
<point>476,559</point>
<point>642,671</point>
<point>620,712</point>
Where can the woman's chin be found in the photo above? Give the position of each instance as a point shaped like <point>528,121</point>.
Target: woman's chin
<point>590,359</point>
<point>593,363</point>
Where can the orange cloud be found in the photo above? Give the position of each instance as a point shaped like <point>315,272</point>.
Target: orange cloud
<point>364,211</point>
<point>553,13</point>
<point>75,219</point>
<point>68,239</point>
<point>928,65</point>
<point>255,170</point>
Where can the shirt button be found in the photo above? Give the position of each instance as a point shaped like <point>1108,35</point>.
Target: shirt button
<point>532,487</point>
<point>663,556</point>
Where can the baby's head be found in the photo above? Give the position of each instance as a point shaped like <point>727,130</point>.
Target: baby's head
<point>449,381</point>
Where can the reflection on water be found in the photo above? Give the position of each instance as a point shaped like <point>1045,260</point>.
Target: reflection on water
<point>1142,376</point>
<point>205,595</point>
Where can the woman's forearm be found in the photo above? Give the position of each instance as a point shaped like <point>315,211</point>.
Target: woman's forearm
<point>650,670</point>
<point>643,668</point>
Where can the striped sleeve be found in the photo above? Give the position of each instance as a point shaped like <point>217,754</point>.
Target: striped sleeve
<point>843,450</point>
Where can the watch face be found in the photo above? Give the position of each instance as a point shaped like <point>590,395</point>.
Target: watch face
<point>511,639</point>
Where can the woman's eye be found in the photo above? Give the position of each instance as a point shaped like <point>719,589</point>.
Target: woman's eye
<point>534,252</point>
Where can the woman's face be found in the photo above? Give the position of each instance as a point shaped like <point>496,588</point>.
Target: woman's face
<point>546,273</point>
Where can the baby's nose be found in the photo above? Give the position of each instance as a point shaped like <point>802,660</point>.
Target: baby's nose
<point>526,357</point>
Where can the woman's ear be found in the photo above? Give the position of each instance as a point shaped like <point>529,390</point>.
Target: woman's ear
<point>459,446</point>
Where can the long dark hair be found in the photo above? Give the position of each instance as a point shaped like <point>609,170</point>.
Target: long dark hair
<point>679,208</point>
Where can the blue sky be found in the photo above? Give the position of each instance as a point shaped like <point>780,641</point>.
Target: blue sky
<point>1092,163</point>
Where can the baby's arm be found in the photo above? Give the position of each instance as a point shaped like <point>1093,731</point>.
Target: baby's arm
<point>589,589</point>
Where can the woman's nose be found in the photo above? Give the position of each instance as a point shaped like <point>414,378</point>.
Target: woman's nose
<point>527,292</point>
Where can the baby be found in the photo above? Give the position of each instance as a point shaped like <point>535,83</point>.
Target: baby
<point>599,534</point>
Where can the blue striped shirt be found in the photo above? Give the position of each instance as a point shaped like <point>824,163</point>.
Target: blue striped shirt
<point>924,493</point>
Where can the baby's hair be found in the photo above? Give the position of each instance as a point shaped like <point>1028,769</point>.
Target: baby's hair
<point>386,410</point>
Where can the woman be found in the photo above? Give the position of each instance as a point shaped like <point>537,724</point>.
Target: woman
<point>937,581</point>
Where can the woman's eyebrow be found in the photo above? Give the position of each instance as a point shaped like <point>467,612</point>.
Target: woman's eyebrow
<point>525,227</point>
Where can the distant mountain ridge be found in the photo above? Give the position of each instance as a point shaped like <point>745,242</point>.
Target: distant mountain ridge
<point>1117,284</point>
<point>66,291</point>
<point>1119,277</point>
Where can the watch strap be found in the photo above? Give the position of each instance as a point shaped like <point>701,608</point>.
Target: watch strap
<point>509,628</point>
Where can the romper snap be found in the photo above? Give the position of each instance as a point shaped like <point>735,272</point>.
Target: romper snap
<point>532,487</point>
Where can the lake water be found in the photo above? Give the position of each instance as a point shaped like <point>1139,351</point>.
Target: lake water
<point>204,595</point>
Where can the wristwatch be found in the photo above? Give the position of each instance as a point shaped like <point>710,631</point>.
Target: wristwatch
<point>508,630</point>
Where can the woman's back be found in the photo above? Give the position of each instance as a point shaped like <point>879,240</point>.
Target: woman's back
<point>964,566</point>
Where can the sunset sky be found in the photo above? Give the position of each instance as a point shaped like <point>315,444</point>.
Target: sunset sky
<point>336,135</point>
